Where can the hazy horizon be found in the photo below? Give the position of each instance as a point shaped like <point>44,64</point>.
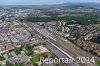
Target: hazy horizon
<point>42,2</point>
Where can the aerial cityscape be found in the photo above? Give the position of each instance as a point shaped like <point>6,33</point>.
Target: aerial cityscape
<point>49,33</point>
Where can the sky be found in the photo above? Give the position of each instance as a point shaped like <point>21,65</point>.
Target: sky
<point>41,2</point>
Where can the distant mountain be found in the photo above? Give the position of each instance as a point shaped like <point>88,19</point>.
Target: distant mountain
<point>82,4</point>
<point>96,5</point>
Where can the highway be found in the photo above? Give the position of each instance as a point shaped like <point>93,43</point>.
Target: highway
<point>68,49</point>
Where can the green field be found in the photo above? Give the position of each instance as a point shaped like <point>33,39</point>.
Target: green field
<point>9,24</point>
<point>36,58</point>
<point>98,63</point>
<point>2,58</point>
<point>62,15</point>
<point>17,26</point>
<point>97,25</point>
